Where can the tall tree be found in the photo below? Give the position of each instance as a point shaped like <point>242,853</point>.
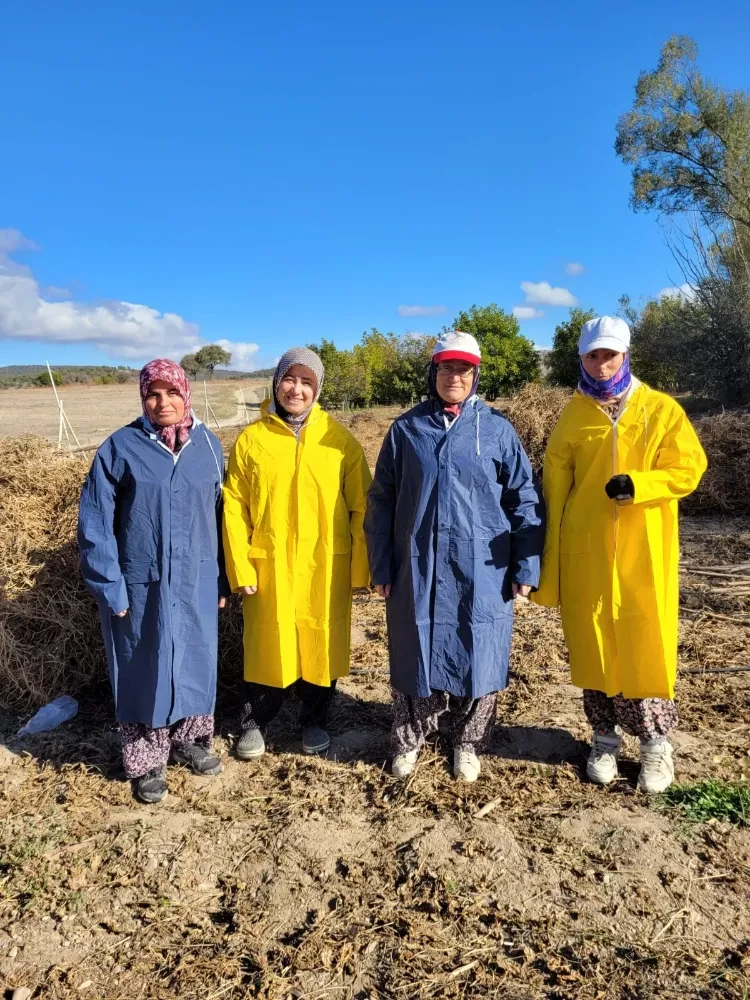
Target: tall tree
<point>412,367</point>
<point>509,360</point>
<point>688,141</point>
<point>564,367</point>
<point>190,366</point>
<point>212,356</point>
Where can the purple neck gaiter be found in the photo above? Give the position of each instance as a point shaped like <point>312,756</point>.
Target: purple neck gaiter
<point>606,390</point>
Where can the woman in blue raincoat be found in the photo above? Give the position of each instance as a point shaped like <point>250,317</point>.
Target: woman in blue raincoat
<point>454,532</point>
<point>149,536</point>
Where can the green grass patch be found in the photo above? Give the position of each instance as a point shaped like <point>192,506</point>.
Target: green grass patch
<point>702,801</point>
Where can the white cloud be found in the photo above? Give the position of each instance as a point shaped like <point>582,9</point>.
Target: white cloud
<point>421,310</point>
<point>685,291</point>
<point>122,330</point>
<point>56,292</point>
<point>243,354</point>
<point>541,293</point>
<point>527,312</point>
<point>12,240</point>
<point>574,269</point>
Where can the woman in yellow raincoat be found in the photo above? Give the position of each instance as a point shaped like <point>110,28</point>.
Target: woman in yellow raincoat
<point>617,462</point>
<point>294,502</point>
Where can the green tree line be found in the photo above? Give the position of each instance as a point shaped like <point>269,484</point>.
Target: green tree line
<point>386,368</point>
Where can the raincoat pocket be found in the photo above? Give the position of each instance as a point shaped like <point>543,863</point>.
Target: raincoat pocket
<point>260,546</point>
<point>575,543</point>
<point>140,572</point>
<point>342,545</point>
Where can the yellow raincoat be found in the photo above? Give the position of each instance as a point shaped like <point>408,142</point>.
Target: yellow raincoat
<point>612,567</point>
<point>293,517</point>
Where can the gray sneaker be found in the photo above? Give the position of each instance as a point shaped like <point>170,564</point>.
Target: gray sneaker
<point>251,744</point>
<point>315,740</point>
<point>198,758</point>
<point>152,786</point>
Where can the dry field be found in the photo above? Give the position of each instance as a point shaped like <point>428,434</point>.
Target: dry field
<point>95,411</point>
<point>309,878</point>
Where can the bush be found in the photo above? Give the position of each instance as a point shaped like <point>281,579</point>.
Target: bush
<point>43,378</point>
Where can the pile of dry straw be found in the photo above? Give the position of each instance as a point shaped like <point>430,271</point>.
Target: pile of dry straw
<point>49,630</point>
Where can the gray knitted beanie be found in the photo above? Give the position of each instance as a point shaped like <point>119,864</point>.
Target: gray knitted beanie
<point>300,356</point>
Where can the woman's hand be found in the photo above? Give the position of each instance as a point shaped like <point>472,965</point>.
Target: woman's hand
<point>521,590</point>
<point>121,614</point>
<point>222,603</point>
<point>383,590</point>
<point>247,591</point>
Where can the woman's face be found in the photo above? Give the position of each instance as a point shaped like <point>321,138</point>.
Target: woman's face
<point>602,364</point>
<point>297,390</point>
<point>454,380</point>
<point>164,405</point>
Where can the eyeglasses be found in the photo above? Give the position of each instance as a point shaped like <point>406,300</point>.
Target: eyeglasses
<point>463,371</point>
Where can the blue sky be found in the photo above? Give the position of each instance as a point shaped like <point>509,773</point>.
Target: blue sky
<point>271,174</point>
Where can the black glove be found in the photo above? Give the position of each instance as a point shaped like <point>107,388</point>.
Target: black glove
<point>620,488</point>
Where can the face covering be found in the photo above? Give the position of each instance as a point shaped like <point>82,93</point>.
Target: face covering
<point>606,390</point>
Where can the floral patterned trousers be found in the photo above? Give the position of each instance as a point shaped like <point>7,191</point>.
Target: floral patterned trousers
<point>144,749</point>
<point>649,719</point>
<point>415,718</point>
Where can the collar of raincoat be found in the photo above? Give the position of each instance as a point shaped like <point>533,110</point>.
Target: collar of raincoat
<point>268,409</point>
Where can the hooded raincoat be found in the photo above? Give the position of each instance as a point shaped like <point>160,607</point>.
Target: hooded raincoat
<point>612,567</point>
<point>293,510</point>
<point>453,519</point>
<point>149,538</point>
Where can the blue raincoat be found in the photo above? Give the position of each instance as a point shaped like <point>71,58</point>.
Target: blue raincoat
<point>149,536</point>
<point>453,519</point>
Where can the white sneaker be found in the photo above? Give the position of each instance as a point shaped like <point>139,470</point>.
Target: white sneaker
<point>404,763</point>
<point>466,766</point>
<point>657,767</point>
<point>601,767</point>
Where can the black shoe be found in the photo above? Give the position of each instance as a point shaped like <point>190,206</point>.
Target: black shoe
<point>152,787</point>
<point>198,758</point>
<point>315,740</point>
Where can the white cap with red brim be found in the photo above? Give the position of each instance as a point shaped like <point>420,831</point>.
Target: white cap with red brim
<point>609,333</point>
<point>457,346</point>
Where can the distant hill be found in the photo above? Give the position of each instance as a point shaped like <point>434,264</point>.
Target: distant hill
<point>18,376</point>
<point>9,371</point>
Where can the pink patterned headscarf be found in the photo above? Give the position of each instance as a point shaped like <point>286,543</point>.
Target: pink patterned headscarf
<point>164,370</point>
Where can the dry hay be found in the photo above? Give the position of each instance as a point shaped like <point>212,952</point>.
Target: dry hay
<point>534,411</point>
<point>49,637</point>
<point>725,488</point>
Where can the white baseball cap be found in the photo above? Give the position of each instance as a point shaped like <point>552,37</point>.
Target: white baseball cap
<point>455,345</point>
<point>608,332</point>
